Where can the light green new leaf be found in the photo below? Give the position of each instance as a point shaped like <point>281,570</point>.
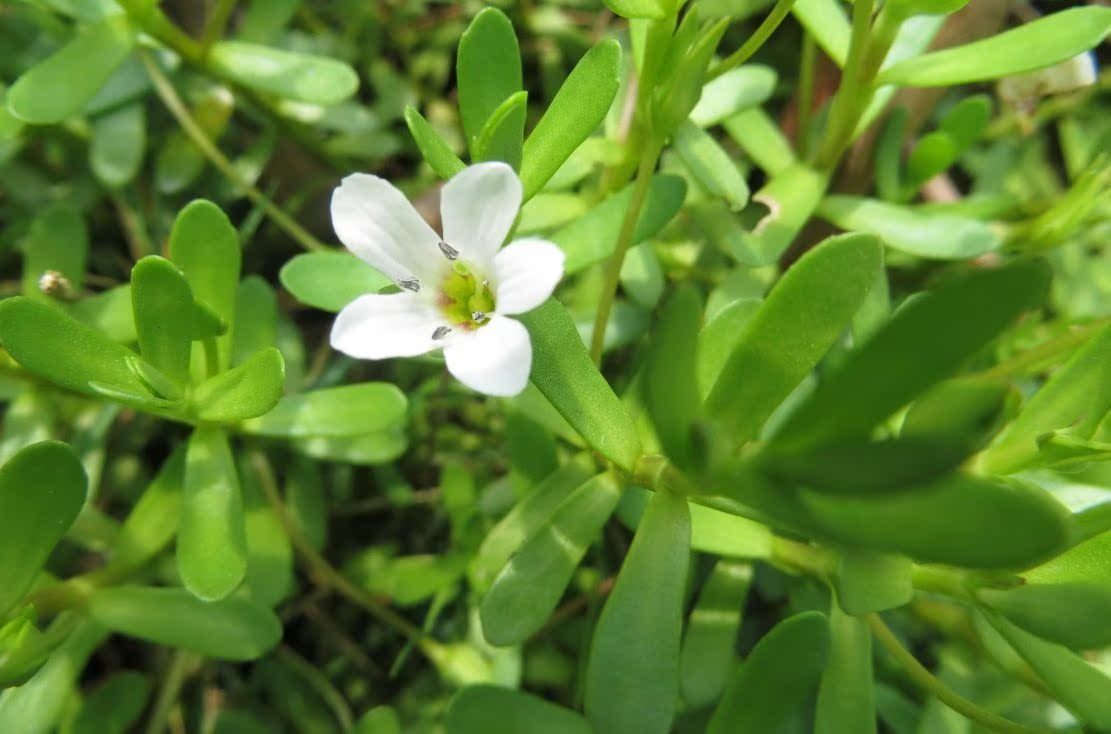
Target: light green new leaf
<point>904,358</point>
<point>803,316</point>
<point>632,675</point>
<point>759,136</point>
<point>501,138</point>
<point>922,232</point>
<point>522,522</point>
<point>1035,45</point>
<point>710,165</point>
<point>527,590</point>
<point>330,280</point>
<point>592,237</point>
<point>826,21</point>
<point>564,373</point>
<point>162,304</point>
<point>733,92</point>
<point>709,646</point>
<point>243,392</point>
<point>58,241</point>
<point>487,71</point>
<point>847,692</point>
<point>42,489</point>
<point>486,709</point>
<point>723,534</point>
<point>348,410</point>
<point>436,152</point>
<point>60,86</point>
<point>1077,397</point>
<point>297,76</point>
<point>117,146</point>
<point>212,540</point>
<point>578,108</point>
<point>256,319</point>
<point>115,705</point>
<point>647,9</point>
<point>46,342</point>
<point>776,678</point>
<point>229,629</point>
<point>363,450</point>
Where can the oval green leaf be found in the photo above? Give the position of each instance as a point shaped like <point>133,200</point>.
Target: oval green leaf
<point>330,280</point>
<point>485,709</point>
<point>349,410</point>
<point>297,76</point>
<point>487,71</point>
<point>243,392</point>
<point>162,304</point>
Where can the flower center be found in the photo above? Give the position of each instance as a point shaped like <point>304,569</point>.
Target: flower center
<point>465,298</point>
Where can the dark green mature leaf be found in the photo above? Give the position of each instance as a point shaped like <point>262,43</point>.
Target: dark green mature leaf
<point>45,341</point>
<point>162,304</point>
<point>527,590</point>
<point>502,137</point>
<point>153,521</point>
<point>669,380</point>
<point>1080,686</point>
<point>297,76</point>
<point>904,357</point>
<point>872,582</point>
<point>436,152</point>
<point>564,373</point>
<point>778,675</point>
<point>487,71</point>
<point>229,629</point>
<point>58,242</point>
<point>337,411</point>
<point>485,709</point>
<point>965,408</point>
<point>710,641</point>
<point>1031,46</point>
<point>330,280</point>
<point>803,316</point>
<point>632,675</point>
<point>212,540</point>
<point>61,85</point>
<point>579,106</point>
<point>847,693</point>
<point>1077,397</point>
<point>42,489</point>
<point>243,392</point>
<point>592,237</point>
<point>115,704</point>
<point>719,338</point>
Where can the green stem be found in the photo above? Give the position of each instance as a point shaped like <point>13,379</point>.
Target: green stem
<point>326,576</point>
<point>647,166</point>
<point>148,16</point>
<point>924,678</point>
<point>174,104</point>
<point>791,555</point>
<point>755,41</point>
<point>1045,354</point>
<point>211,356</point>
<point>215,23</point>
<point>807,65</point>
<point>172,680</point>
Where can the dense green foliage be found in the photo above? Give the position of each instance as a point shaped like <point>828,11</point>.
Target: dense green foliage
<point>816,436</point>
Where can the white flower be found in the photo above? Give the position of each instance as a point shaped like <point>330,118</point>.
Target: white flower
<point>459,290</point>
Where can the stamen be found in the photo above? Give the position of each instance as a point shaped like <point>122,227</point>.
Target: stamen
<point>409,284</point>
<point>449,252</point>
<point>478,317</point>
<point>440,332</point>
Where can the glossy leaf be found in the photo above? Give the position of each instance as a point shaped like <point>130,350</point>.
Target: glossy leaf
<point>804,314</point>
<point>501,138</point>
<point>229,629</point>
<point>486,709</point>
<point>1035,45</point>
<point>592,237</point>
<point>668,380</point>
<point>900,361</point>
<point>564,373</point>
<point>330,280</point>
<point>337,411</point>
<point>723,534</point>
<point>826,21</point>
<point>733,92</point>
<point>632,675</point>
<point>873,582</point>
<point>709,646</point>
<point>42,490</point>
<point>46,342</point>
<point>578,108</point>
<point>775,679</point>
<point>649,9</point>
<point>487,71</point>
<point>297,76</point>
<point>249,390</point>
<point>760,138</point>
<point>528,589</point>
<point>1077,397</point>
<point>212,541</point>
<point>915,231</point>
<point>436,152</point>
<point>846,693</point>
<point>162,304</point>
<point>710,165</point>
<point>59,86</point>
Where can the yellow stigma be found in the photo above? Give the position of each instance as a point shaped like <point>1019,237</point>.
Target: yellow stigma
<point>465,299</point>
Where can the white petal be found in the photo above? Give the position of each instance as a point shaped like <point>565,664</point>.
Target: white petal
<point>478,206</point>
<point>383,326</point>
<point>526,272</point>
<point>495,359</point>
<point>376,222</point>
